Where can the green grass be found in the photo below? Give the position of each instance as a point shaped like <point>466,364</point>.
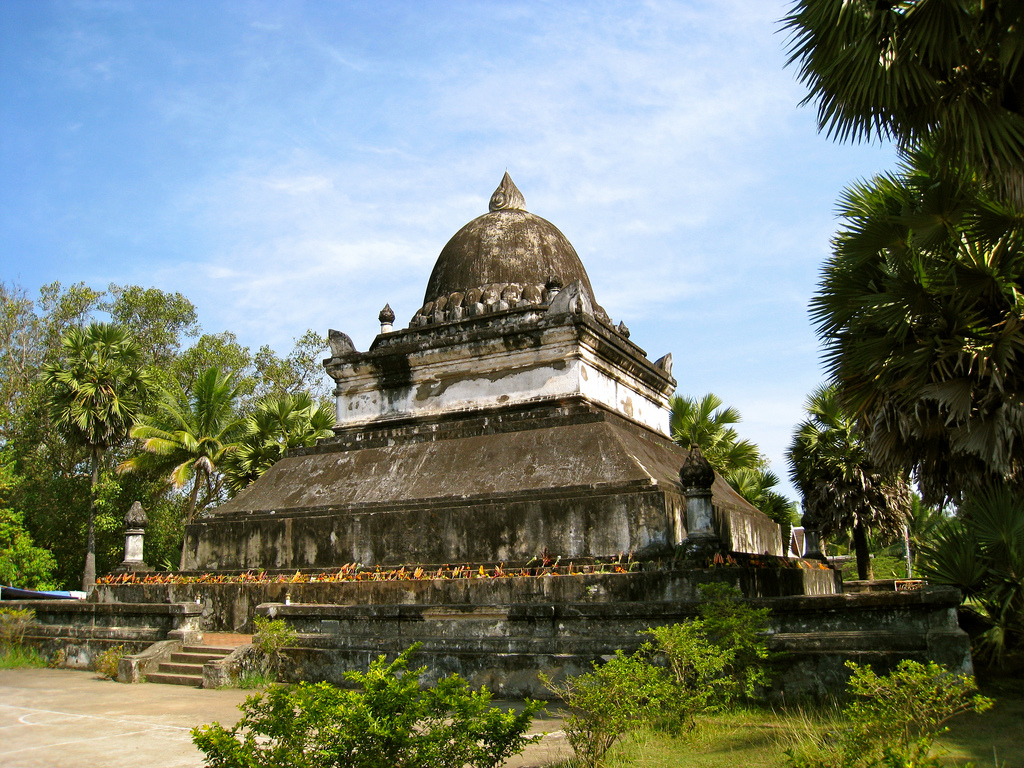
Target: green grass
<point>20,657</point>
<point>758,739</point>
<point>254,680</point>
<point>996,735</point>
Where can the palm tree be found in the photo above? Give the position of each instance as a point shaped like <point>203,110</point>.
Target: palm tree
<point>919,309</point>
<point>981,552</point>
<point>278,425</point>
<point>188,438</point>
<point>949,73</point>
<point>94,393</point>
<point>842,489</point>
<point>706,424</point>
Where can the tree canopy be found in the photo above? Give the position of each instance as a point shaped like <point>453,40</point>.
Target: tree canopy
<point>944,72</point>
<point>707,424</point>
<point>52,497</point>
<point>278,425</point>
<point>921,313</point>
<point>188,437</point>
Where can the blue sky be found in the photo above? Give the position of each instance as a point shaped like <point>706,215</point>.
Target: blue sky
<point>291,165</point>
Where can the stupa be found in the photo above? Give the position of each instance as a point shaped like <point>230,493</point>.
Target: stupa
<point>510,420</point>
<point>510,423</point>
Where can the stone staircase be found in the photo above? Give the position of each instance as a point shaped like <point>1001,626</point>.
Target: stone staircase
<point>186,665</point>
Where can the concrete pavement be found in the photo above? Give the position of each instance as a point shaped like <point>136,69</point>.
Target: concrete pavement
<point>62,718</point>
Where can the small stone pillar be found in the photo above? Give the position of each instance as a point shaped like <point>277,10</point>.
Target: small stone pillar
<point>386,318</point>
<point>135,523</point>
<point>696,477</point>
<point>553,286</point>
<point>812,538</point>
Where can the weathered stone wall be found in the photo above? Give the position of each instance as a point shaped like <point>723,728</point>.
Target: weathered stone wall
<point>505,358</point>
<point>507,647</point>
<point>83,629</point>
<point>231,607</point>
<point>484,530</point>
<point>574,481</point>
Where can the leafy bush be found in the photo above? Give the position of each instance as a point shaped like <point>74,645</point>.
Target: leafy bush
<point>696,666</point>
<point>22,564</point>
<point>106,663</point>
<point>709,663</point>
<point>739,631</point>
<point>389,721</point>
<point>14,623</point>
<point>620,695</point>
<point>271,637</point>
<point>892,721</point>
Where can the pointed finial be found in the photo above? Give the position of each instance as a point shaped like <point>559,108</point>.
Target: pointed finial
<point>697,471</point>
<point>136,517</point>
<point>386,317</point>
<point>507,196</point>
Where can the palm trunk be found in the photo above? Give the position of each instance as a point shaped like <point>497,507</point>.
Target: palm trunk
<point>907,553</point>
<point>860,546</point>
<point>193,498</point>
<point>89,574</point>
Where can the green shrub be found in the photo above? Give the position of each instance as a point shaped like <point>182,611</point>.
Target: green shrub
<point>709,663</point>
<point>388,721</point>
<point>20,657</point>
<point>891,722</point>
<point>14,623</point>
<point>271,637</point>
<point>23,564</point>
<point>105,664</point>
<point>696,666</point>
<point>624,693</point>
<point>740,631</point>
<point>981,552</point>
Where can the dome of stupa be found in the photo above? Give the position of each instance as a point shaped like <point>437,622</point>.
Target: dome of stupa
<point>507,248</point>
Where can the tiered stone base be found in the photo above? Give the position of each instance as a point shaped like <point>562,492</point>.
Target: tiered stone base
<point>507,647</point>
<point>504,632</point>
<point>501,486</point>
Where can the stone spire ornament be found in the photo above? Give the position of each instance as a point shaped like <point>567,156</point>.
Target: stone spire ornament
<point>135,522</point>
<point>387,319</point>
<point>697,476</point>
<point>696,473</point>
<point>507,196</point>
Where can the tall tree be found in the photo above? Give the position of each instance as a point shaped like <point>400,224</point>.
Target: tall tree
<point>188,438</point>
<point>945,72</point>
<point>30,336</point>
<point>842,489</point>
<point>707,424</point>
<point>278,425</point>
<point>95,392</point>
<point>921,313</point>
<point>301,370</point>
<point>158,320</point>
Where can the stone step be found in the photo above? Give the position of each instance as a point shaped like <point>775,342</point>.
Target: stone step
<point>195,657</point>
<point>186,666</point>
<point>195,681</point>
<point>195,670</point>
<point>223,650</point>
